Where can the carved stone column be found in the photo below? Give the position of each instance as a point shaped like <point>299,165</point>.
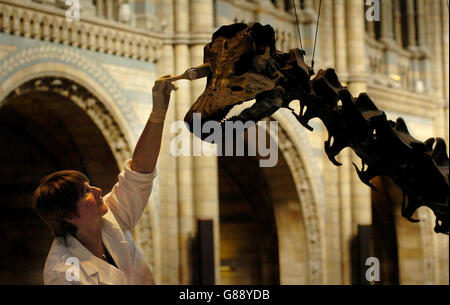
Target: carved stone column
<point>206,184</point>
<point>185,209</point>
<point>331,173</point>
<point>167,256</point>
<point>145,12</point>
<point>445,64</point>
<point>387,38</point>
<point>421,23</point>
<point>387,26</point>
<point>186,214</point>
<point>371,29</point>
<point>168,253</point>
<point>109,9</point>
<point>410,17</point>
<point>445,79</point>
<point>356,53</point>
<point>398,24</point>
<point>345,213</point>
<point>264,12</point>
<point>290,7</point>
<point>333,202</point>
<point>445,50</point>
<point>184,167</point>
<point>100,9</point>
<point>87,8</point>
<point>326,37</point>
<point>439,75</point>
<point>436,49</point>
<point>412,45</point>
<point>308,4</point>
<point>424,65</point>
<point>340,39</point>
<point>279,4</point>
<point>151,15</point>
<point>308,27</point>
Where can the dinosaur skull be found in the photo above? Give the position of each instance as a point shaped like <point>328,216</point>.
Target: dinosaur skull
<point>241,57</point>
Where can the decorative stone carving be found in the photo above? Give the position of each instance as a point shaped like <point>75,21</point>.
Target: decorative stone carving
<point>401,65</point>
<point>50,26</point>
<point>428,249</point>
<point>87,8</point>
<point>405,102</point>
<point>144,236</point>
<point>124,12</point>
<point>308,206</point>
<point>93,107</point>
<point>154,18</point>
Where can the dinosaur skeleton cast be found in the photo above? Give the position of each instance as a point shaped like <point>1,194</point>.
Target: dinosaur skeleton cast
<point>244,65</point>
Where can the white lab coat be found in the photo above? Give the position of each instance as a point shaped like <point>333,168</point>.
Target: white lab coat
<point>125,202</point>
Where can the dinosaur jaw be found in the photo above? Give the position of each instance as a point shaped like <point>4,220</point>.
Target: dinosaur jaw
<point>230,113</point>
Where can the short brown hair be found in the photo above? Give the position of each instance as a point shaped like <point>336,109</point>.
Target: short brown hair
<point>56,197</point>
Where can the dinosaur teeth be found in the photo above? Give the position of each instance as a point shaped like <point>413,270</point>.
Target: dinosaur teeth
<point>237,109</point>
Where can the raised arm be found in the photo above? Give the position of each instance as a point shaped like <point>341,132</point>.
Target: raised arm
<point>147,148</point>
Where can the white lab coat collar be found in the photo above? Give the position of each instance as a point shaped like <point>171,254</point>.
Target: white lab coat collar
<point>124,254</point>
<point>115,243</point>
<point>98,269</point>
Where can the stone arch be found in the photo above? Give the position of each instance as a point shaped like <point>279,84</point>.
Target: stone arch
<point>299,140</point>
<point>89,103</point>
<point>45,59</point>
<point>101,97</point>
<point>288,200</point>
<point>49,123</point>
<point>246,210</point>
<point>296,150</point>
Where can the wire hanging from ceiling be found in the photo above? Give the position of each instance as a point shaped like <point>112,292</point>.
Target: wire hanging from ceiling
<point>317,32</point>
<point>298,25</point>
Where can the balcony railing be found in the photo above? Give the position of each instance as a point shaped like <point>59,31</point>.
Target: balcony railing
<point>47,21</point>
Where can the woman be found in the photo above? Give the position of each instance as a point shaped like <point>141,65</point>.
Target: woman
<point>93,243</point>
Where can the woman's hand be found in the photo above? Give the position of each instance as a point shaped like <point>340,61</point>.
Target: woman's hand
<point>161,96</point>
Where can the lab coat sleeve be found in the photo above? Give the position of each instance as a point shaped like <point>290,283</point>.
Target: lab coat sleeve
<point>129,196</point>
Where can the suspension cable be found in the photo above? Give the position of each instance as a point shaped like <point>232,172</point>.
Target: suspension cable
<point>298,25</point>
<point>317,31</point>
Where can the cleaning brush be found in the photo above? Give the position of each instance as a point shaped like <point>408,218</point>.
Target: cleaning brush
<point>193,73</point>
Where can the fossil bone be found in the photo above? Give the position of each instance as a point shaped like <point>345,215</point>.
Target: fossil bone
<point>245,65</point>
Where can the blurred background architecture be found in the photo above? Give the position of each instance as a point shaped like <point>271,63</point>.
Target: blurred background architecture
<point>76,95</point>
